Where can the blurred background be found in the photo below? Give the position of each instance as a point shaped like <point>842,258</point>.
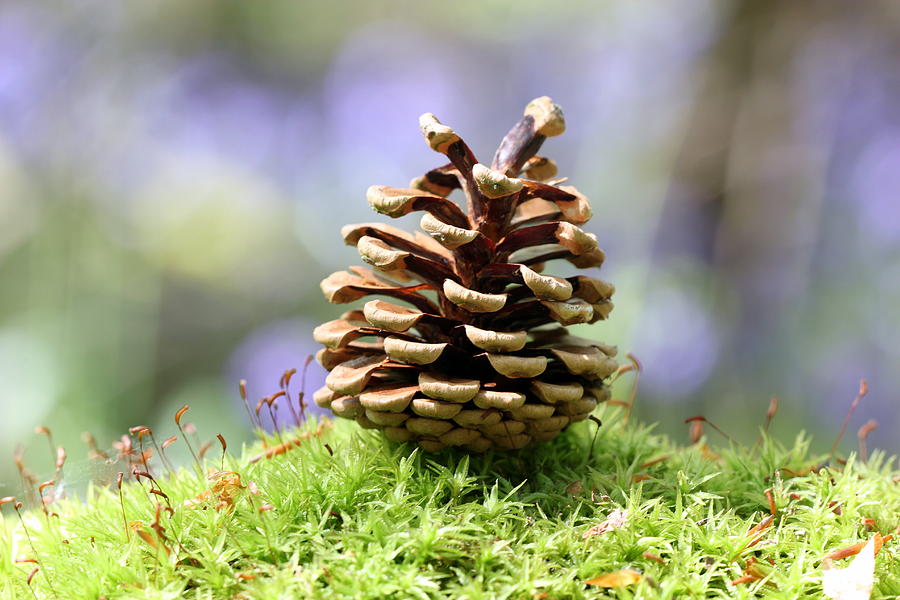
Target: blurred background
<point>173,176</point>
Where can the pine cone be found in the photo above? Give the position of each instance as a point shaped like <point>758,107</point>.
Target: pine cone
<point>481,356</point>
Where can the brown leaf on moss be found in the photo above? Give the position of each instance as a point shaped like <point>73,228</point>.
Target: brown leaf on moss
<point>614,520</point>
<point>764,524</point>
<point>574,488</point>
<point>274,451</point>
<point>707,453</point>
<point>152,541</point>
<point>754,571</point>
<point>616,579</point>
<point>855,581</point>
<point>656,460</point>
<point>225,489</point>
<point>855,549</point>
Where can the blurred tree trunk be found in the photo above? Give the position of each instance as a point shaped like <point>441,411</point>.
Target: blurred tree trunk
<point>694,201</point>
<point>747,189</point>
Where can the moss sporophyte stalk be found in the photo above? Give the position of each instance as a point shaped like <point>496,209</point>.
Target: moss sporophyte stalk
<point>476,354</point>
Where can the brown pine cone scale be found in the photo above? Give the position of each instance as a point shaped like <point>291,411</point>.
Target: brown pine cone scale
<point>467,344</point>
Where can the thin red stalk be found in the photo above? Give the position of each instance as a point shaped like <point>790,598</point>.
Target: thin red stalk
<point>224,445</point>
<point>301,397</point>
<point>695,433</point>
<point>41,430</point>
<point>93,451</point>
<point>261,516</point>
<point>18,455</point>
<point>863,390</point>
<point>596,433</point>
<point>178,416</point>
<point>270,400</point>
<point>28,579</point>
<point>143,456</point>
<point>43,501</point>
<point>155,488</point>
<point>159,451</point>
<point>862,434</point>
<point>632,395</point>
<point>711,424</point>
<point>286,390</point>
<point>770,414</point>
<point>17,506</point>
<point>773,509</point>
<point>204,448</point>
<point>242,390</point>
<point>275,428</point>
<point>162,451</point>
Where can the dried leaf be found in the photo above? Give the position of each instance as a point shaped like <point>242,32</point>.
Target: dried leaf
<point>616,579</point>
<point>654,461</point>
<point>856,548</point>
<point>856,581</point>
<point>225,489</point>
<point>282,448</point>
<point>754,571</point>
<point>574,488</point>
<point>764,524</point>
<point>614,520</point>
<point>707,453</point>
<point>138,528</point>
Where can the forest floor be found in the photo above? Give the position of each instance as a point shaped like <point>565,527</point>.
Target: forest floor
<point>616,511</point>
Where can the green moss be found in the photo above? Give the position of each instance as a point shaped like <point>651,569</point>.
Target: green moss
<point>377,520</point>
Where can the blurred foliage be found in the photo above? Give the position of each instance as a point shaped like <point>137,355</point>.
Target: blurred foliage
<point>173,176</point>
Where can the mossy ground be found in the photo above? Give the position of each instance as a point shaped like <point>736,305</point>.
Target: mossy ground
<point>364,518</point>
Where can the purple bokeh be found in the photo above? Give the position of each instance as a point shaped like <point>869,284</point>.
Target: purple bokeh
<point>678,343</point>
<point>876,181</point>
<point>385,76</point>
<point>266,354</point>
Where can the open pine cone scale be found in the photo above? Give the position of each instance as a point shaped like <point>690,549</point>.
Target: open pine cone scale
<point>468,345</point>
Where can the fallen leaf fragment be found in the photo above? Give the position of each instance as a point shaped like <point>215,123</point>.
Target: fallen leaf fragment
<point>616,579</point>
<point>761,526</point>
<point>854,582</point>
<point>854,549</point>
<point>654,461</point>
<point>758,529</point>
<point>574,488</point>
<point>138,528</point>
<point>226,486</point>
<point>707,453</point>
<point>274,451</point>
<point>613,520</point>
<point>753,571</point>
